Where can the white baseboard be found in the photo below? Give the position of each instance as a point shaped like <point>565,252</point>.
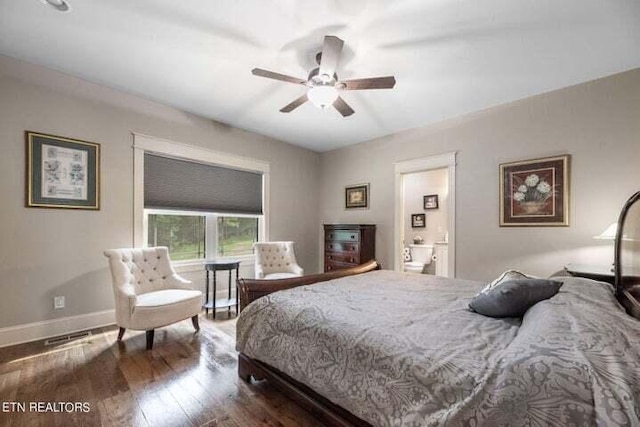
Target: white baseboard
<point>52,328</point>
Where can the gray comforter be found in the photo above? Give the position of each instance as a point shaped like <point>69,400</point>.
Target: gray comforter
<point>404,350</point>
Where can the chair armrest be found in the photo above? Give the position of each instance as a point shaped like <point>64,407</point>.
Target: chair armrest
<point>176,282</point>
<point>126,297</point>
<point>296,269</point>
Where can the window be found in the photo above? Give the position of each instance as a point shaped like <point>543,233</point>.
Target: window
<point>200,203</point>
<point>184,235</point>
<point>236,235</point>
<point>194,235</point>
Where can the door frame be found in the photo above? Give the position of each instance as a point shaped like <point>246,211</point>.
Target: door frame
<point>404,167</point>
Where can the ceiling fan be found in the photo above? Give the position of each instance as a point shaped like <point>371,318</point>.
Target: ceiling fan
<point>323,84</point>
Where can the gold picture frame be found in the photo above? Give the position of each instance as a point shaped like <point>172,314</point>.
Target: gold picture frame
<point>62,172</point>
<point>535,193</point>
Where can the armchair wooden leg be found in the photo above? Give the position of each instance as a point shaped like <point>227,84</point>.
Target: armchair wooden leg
<point>150,339</point>
<point>120,334</point>
<point>196,325</point>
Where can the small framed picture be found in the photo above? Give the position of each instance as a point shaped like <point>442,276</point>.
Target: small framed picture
<point>431,201</point>
<point>356,196</point>
<point>418,220</point>
<point>62,172</point>
<point>535,192</point>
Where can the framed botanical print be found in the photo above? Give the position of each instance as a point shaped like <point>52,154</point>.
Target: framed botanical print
<point>356,196</point>
<point>418,220</point>
<point>535,192</point>
<point>62,172</point>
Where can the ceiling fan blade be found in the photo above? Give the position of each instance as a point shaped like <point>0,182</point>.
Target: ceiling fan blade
<point>277,76</point>
<point>295,104</point>
<point>330,55</point>
<point>342,107</point>
<point>370,83</point>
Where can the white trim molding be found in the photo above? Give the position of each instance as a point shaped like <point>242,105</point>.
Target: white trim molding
<point>445,160</point>
<point>35,331</point>
<point>149,144</point>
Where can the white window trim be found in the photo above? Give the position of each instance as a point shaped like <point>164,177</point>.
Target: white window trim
<point>148,144</point>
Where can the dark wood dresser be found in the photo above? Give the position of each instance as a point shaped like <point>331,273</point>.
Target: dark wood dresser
<point>348,245</point>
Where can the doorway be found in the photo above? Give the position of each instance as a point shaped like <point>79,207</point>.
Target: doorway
<point>425,215</point>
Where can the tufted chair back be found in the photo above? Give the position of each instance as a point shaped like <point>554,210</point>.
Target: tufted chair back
<point>275,257</point>
<point>139,271</point>
<point>144,270</point>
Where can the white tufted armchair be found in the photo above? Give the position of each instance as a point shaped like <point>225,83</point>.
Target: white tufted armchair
<point>148,292</point>
<point>276,260</point>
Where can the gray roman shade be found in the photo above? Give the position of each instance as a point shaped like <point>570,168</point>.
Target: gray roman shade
<point>184,185</point>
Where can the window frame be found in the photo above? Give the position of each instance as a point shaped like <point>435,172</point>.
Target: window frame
<point>148,144</point>
<point>210,234</point>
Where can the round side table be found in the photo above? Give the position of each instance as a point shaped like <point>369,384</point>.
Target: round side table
<point>214,267</point>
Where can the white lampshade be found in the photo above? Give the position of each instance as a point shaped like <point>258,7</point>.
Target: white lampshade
<point>322,96</point>
<point>609,233</point>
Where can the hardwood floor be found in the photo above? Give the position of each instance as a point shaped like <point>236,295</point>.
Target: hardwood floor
<point>188,379</point>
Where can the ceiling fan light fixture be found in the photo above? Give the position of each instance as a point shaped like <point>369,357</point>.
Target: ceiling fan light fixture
<point>322,96</point>
<point>59,5</point>
<point>323,86</point>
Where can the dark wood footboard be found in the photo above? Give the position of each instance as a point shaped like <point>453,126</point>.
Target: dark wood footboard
<point>252,289</point>
<point>322,409</point>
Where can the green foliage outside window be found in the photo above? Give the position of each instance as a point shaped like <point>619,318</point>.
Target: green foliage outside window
<point>183,235</point>
<point>236,235</point>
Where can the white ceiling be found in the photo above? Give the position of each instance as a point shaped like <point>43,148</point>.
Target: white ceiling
<point>449,57</point>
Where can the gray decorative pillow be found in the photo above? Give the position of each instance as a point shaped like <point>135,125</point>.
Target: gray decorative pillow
<point>507,275</point>
<point>512,298</point>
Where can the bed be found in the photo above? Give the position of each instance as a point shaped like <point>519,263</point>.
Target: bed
<point>374,347</point>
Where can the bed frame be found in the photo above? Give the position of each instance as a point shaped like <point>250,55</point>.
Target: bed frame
<point>329,413</point>
<point>627,291</point>
<point>627,286</point>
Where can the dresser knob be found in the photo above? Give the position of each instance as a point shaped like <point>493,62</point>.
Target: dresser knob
<point>353,237</point>
<point>352,259</point>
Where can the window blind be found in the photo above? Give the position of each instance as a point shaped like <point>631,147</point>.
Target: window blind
<point>185,185</point>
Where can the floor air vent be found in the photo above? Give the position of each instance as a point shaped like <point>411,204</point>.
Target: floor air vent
<point>67,338</point>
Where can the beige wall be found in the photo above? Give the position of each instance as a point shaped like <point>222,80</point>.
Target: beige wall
<point>48,252</point>
<point>597,123</point>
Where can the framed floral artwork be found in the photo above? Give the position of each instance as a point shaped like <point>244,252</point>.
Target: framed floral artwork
<point>535,192</point>
<point>356,196</point>
<point>62,172</point>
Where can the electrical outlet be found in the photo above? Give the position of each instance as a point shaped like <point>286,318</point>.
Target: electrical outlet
<point>58,303</point>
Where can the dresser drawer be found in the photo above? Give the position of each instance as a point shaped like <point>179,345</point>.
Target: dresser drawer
<point>353,258</point>
<point>333,265</point>
<point>352,248</point>
<point>348,245</point>
<point>342,236</point>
